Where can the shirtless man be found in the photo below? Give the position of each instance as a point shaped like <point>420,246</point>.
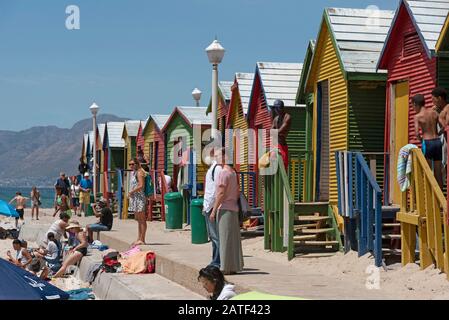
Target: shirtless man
<point>283,123</point>
<point>20,206</point>
<point>426,120</point>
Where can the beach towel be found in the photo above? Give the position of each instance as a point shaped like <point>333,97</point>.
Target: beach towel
<point>130,252</point>
<point>142,262</point>
<point>405,166</point>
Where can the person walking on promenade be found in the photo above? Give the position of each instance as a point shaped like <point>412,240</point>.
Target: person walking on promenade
<point>62,203</point>
<point>209,200</point>
<point>35,202</point>
<point>86,187</point>
<point>283,123</point>
<point>426,121</point>
<point>226,214</point>
<point>75,191</point>
<point>20,206</point>
<point>64,183</point>
<point>137,199</point>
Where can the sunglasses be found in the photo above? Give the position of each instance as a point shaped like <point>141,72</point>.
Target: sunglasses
<point>131,164</point>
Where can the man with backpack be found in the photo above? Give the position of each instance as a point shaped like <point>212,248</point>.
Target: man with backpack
<point>209,201</point>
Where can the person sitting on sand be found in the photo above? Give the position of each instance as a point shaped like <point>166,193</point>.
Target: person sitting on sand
<point>79,247</point>
<point>105,222</point>
<point>215,283</point>
<point>51,255</point>
<point>22,257</point>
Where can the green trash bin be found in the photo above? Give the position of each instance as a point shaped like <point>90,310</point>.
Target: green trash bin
<point>173,211</point>
<point>90,211</point>
<point>198,222</point>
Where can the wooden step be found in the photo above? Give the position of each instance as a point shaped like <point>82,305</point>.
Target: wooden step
<point>317,231</point>
<point>391,225</point>
<point>304,237</point>
<point>300,227</point>
<point>392,236</point>
<point>317,243</point>
<point>311,218</point>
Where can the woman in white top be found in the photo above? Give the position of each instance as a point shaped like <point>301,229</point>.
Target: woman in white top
<point>215,283</point>
<point>58,228</point>
<point>75,190</point>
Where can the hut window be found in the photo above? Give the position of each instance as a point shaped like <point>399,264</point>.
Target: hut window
<point>412,45</point>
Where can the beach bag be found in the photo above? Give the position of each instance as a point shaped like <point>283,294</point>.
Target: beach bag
<point>151,262</point>
<point>244,208</point>
<point>149,189</point>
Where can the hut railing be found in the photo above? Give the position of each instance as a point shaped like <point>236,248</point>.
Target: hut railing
<point>300,175</point>
<point>279,209</point>
<point>249,188</point>
<point>360,204</point>
<point>424,209</point>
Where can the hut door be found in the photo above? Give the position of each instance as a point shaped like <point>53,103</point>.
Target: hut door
<point>399,132</point>
<point>323,142</point>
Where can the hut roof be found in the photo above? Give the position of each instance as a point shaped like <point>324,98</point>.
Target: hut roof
<point>115,132</point>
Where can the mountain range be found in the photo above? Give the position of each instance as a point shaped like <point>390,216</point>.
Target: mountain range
<point>36,156</point>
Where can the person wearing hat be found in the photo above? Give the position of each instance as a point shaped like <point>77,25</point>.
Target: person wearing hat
<point>86,187</point>
<point>103,212</point>
<point>79,244</point>
<point>282,122</point>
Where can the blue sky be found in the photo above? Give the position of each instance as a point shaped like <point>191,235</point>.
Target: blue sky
<point>137,57</point>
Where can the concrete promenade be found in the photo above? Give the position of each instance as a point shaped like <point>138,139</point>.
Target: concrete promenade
<point>178,261</point>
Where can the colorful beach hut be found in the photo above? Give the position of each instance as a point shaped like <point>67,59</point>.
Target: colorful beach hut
<point>116,146</point>
<point>409,57</point>
<point>184,152</point>
<point>272,81</point>
<point>101,155</point>
<point>155,141</point>
<point>129,135</point>
<point>85,146</point>
<point>303,178</point>
<point>348,91</point>
<point>90,151</point>
<point>237,122</point>
<point>140,137</point>
<point>154,149</point>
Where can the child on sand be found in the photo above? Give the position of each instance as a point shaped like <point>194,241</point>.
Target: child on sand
<point>426,120</point>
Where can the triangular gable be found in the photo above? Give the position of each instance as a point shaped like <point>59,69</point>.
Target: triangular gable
<point>224,94</point>
<point>428,19</point>
<point>300,96</point>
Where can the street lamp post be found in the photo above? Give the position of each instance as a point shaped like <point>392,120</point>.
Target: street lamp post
<point>94,110</point>
<point>196,94</point>
<point>215,53</point>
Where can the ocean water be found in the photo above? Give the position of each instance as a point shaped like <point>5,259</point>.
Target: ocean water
<point>47,195</point>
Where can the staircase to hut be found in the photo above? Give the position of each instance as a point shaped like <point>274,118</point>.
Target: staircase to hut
<point>155,210</point>
<point>315,229</point>
<point>391,232</point>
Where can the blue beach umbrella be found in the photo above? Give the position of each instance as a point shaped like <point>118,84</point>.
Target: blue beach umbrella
<point>7,210</point>
<point>18,284</point>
